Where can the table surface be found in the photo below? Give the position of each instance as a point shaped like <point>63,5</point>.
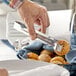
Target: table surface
<point>6,53</point>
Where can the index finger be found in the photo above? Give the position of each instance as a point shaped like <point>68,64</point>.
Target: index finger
<point>30,26</point>
<point>44,21</point>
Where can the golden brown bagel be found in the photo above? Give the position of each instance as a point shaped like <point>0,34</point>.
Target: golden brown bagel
<point>44,57</point>
<point>32,55</point>
<point>57,60</point>
<point>65,47</point>
<point>46,52</point>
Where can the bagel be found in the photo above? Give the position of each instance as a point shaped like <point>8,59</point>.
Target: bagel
<point>47,52</point>
<point>32,55</point>
<point>65,47</point>
<point>44,57</point>
<point>58,60</point>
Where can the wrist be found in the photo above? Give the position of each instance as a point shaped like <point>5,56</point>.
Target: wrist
<point>23,3</point>
<point>16,3</point>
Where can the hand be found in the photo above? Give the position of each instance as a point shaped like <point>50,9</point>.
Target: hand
<point>3,72</point>
<point>33,13</point>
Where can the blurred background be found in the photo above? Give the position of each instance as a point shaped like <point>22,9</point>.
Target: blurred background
<point>50,4</point>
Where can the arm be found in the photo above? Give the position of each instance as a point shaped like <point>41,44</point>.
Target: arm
<point>13,3</point>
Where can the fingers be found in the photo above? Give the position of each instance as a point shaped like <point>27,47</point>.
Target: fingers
<point>44,21</point>
<point>30,26</point>
<point>48,21</point>
<point>38,21</point>
<point>3,72</point>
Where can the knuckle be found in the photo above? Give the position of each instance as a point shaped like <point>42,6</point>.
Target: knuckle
<point>44,9</point>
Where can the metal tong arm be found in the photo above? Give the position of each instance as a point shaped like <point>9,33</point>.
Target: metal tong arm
<point>43,38</point>
<point>40,35</point>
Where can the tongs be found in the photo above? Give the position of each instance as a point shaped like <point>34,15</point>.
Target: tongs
<point>19,26</point>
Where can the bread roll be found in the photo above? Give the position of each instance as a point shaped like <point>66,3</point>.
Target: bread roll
<point>47,52</point>
<point>44,57</point>
<point>32,55</point>
<point>58,60</point>
<point>65,48</point>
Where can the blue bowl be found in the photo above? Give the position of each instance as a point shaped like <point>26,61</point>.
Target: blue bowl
<point>71,56</point>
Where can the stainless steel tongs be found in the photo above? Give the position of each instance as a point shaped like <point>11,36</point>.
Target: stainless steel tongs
<point>51,41</point>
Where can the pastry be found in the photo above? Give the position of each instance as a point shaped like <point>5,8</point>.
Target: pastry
<point>58,60</point>
<point>32,55</point>
<point>46,52</point>
<point>65,47</point>
<point>44,57</point>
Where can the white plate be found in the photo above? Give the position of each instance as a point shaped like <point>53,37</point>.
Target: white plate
<point>17,66</point>
<point>21,64</point>
<point>32,68</point>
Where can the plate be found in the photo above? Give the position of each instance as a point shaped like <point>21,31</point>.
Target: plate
<point>18,66</point>
<point>32,68</point>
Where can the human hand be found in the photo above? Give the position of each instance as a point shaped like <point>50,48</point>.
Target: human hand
<point>33,13</point>
<point>3,72</point>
